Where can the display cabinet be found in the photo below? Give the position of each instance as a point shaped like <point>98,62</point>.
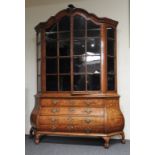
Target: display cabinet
<point>77,77</point>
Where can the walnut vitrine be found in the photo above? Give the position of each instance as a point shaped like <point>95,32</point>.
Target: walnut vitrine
<point>77,77</point>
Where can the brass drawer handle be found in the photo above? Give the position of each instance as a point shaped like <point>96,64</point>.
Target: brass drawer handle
<point>54,120</point>
<point>70,119</point>
<point>53,127</point>
<point>87,120</point>
<point>71,109</point>
<point>88,111</point>
<point>70,127</point>
<point>88,103</point>
<point>55,102</point>
<point>88,130</point>
<point>55,110</point>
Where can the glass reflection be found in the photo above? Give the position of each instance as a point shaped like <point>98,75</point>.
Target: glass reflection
<point>94,45</point>
<point>79,64</point>
<point>64,48</point>
<point>110,65</point>
<point>64,82</point>
<point>110,33</point>
<point>111,82</point>
<point>93,64</point>
<point>93,82</point>
<point>79,22</point>
<point>79,82</point>
<point>79,47</point>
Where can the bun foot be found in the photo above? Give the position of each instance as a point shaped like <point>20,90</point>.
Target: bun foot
<point>106,142</point>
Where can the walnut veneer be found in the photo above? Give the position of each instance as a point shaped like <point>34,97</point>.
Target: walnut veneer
<point>69,112</point>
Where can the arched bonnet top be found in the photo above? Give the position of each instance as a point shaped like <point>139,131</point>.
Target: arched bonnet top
<point>70,11</point>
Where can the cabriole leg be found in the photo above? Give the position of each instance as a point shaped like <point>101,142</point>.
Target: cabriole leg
<point>106,142</point>
<point>37,138</point>
<point>32,132</point>
<point>123,138</point>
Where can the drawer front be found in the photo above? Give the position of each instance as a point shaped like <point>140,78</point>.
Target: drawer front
<point>85,111</point>
<point>72,128</point>
<point>71,124</point>
<point>71,120</point>
<point>73,102</point>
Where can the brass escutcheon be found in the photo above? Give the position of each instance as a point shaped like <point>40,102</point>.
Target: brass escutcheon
<point>55,102</point>
<point>55,110</point>
<point>88,111</point>
<point>87,120</point>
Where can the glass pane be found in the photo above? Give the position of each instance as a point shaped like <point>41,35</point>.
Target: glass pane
<point>39,83</point>
<point>53,28</point>
<point>51,35</point>
<point>110,33</point>
<point>39,38</point>
<point>93,33</point>
<point>51,83</point>
<point>39,67</point>
<point>64,23</point>
<point>79,23</point>
<point>79,47</point>
<point>79,64</point>
<point>93,64</point>
<point>64,48</point>
<point>91,25</point>
<point>64,65</point>
<point>93,46</point>
<point>79,82</point>
<point>64,82</point>
<point>64,35</point>
<point>79,33</point>
<point>39,52</point>
<point>110,65</point>
<point>110,47</point>
<point>111,82</point>
<point>51,65</point>
<point>51,48</point>
<point>93,81</point>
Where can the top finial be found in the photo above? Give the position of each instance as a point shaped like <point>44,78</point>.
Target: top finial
<point>71,6</point>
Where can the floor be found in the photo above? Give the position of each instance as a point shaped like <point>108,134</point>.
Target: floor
<point>74,146</point>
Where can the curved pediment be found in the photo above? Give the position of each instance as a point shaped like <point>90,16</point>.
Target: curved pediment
<point>71,10</point>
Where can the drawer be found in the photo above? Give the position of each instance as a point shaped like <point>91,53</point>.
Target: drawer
<point>72,128</point>
<point>71,120</point>
<point>86,111</point>
<point>73,102</point>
